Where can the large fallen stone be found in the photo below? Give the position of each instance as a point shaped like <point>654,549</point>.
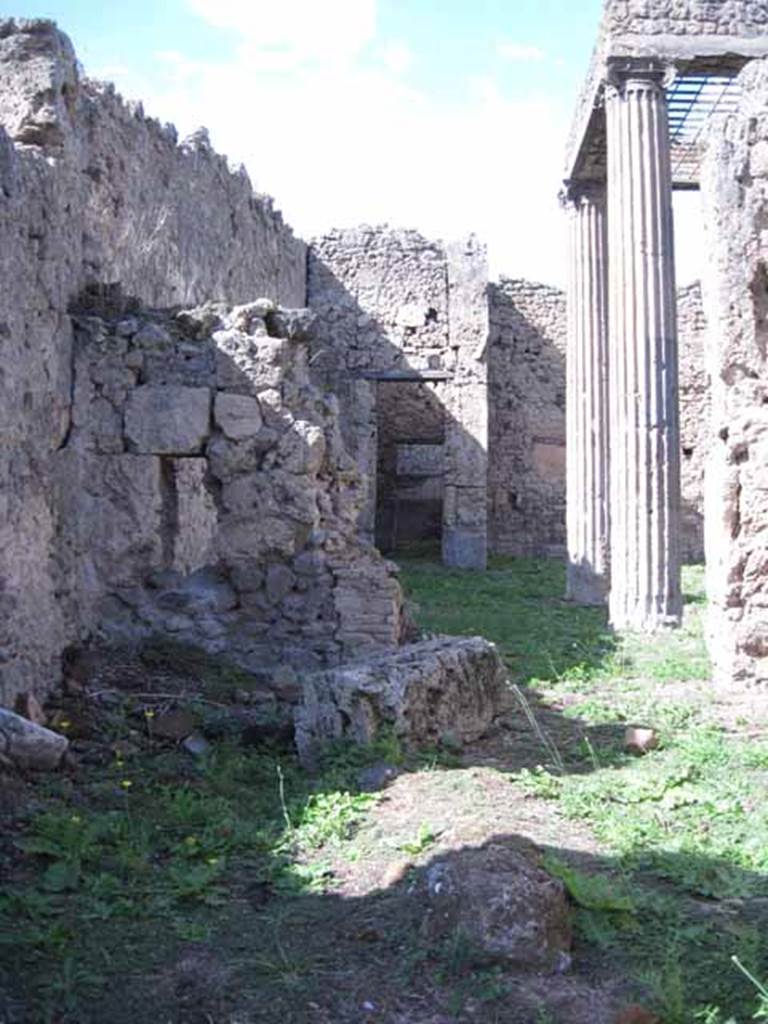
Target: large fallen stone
<point>25,744</point>
<point>502,903</point>
<point>425,692</point>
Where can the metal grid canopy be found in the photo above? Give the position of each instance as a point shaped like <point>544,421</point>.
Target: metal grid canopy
<point>693,99</point>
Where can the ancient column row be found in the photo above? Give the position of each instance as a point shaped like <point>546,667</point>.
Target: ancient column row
<point>623,422</point>
<point>587,398</point>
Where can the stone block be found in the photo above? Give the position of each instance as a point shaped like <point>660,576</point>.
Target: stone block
<point>464,548</point>
<point>420,459</point>
<point>423,692</point>
<point>238,416</point>
<point>501,899</point>
<point>168,420</point>
<point>549,461</point>
<point>196,518</point>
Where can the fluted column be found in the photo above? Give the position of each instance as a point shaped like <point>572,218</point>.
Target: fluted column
<point>587,397</point>
<point>645,459</point>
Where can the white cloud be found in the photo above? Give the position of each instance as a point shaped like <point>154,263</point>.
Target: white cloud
<point>520,51</point>
<point>397,58</point>
<point>296,30</point>
<point>343,142</point>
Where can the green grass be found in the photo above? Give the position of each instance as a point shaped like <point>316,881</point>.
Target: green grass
<point>149,852</point>
<point>683,827</point>
<point>116,873</point>
<point>518,605</point>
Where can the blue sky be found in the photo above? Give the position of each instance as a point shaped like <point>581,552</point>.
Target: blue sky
<point>444,115</point>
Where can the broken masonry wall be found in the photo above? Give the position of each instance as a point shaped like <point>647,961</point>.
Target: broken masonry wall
<point>735,198</point>
<point>92,192</point>
<point>393,309</point>
<point>687,18</point>
<point>208,497</point>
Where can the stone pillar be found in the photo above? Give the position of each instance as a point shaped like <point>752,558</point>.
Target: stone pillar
<point>644,422</point>
<point>587,397</point>
<point>465,507</point>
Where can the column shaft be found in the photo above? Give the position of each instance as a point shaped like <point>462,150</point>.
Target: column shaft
<point>645,444</point>
<point>587,398</point>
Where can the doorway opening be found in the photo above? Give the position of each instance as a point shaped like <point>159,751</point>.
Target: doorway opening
<point>410,474</point>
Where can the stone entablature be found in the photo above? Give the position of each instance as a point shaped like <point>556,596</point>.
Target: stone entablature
<point>677,31</point>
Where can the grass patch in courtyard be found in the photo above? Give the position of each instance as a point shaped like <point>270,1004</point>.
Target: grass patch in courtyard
<point>234,886</point>
<point>686,825</point>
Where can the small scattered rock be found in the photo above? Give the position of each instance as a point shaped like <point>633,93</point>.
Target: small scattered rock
<point>395,873</point>
<point>124,748</point>
<point>173,725</point>
<point>376,776</point>
<point>256,695</point>
<point>637,1014</point>
<point>499,896</point>
<point>27,745</point>
<point>196,744</point>
<point>639,740</point>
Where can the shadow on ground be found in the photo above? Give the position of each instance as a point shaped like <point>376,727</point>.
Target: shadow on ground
<point>149,886</point>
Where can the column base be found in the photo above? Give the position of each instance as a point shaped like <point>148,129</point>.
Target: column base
<point>585,586</point>
<point>641,620</point>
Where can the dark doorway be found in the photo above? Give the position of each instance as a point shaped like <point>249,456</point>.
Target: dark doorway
<point>410,478</point>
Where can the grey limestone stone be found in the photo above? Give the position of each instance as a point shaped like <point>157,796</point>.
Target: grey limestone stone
<point>421,691</point>
<point>168,420</point>
<point>238,416</point>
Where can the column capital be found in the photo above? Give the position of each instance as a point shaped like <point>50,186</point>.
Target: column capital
<point>574,193</point>
<point>624,75</point>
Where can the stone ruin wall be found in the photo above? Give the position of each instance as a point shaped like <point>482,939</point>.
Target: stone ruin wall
<point>391,302</point>
<point>735,195</point>
<point>695,421</point>
<point>93,193</point>
<point>208,496</point>
<point>526,373</point>
<point>382,304</point>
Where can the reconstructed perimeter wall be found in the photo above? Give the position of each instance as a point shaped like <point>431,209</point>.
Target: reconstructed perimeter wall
<point>92,192</point>
<point>735,194</point>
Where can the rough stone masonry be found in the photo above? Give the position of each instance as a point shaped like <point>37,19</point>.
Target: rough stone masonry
<point>735,187</point>
<point>163,470</point>
<point>157,471</point>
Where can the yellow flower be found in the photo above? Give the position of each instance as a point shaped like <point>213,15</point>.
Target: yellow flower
<point>126,783</point>
<point>212,860</point>
<point>75,819</point>
<point>64,723</point>
<point>149,713</point>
